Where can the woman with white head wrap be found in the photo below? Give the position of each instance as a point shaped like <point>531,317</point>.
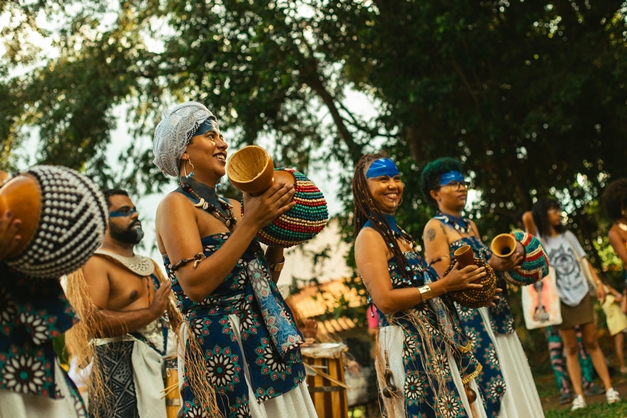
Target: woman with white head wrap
<point>242,357</point>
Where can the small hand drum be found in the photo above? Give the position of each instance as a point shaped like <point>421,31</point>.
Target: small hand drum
<point>251,170</point>
<point>534,267</point>
<point>474,298</point>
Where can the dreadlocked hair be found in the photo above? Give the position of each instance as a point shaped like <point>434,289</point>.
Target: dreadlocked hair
<point>430,178</point>
<point>365,210</point>
<point>615,199</point>
<point>541,216</point>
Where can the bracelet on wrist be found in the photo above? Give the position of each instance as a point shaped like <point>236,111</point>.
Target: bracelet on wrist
<point>425,292</point>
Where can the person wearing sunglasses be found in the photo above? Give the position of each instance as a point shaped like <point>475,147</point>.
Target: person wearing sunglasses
<point>124,333</point>
<point>573,287</point>
<point>506,384</point>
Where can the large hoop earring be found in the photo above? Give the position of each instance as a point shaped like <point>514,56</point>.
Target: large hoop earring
<point>191,174</point>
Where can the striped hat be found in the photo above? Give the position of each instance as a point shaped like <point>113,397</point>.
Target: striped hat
<point>301,223</point>
<point>71,224</point>
<point>534,267</point>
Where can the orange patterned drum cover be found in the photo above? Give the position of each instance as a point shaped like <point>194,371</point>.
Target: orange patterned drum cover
<point>325,378</point>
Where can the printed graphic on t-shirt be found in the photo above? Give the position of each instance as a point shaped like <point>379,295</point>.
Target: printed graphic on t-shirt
<point>567,271</point>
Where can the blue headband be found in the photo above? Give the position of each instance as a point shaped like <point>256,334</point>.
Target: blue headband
<point>382,167</point>
<point>453,175</point>
<point>125,214</point>
<point>210,124</point>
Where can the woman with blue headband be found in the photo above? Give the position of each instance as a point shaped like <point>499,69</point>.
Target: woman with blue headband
<point>506,384</point>
<point>423,359</point>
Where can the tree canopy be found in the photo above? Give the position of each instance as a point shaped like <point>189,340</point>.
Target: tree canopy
<point>529,95</point>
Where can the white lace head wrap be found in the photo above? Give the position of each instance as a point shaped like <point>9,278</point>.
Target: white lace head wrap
<point>174,133</point>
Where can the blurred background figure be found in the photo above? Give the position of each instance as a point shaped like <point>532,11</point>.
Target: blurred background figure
<point>572,268</point>
<point>53,220</point>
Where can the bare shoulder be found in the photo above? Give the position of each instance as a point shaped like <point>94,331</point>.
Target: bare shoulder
<point>174,203</point>
<point>96,267</point>
<point>474,227</point>
<point>432,224</point>
<point>433,228</point>
<point>368,237</point>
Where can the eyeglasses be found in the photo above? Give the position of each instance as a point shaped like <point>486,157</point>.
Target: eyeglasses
<point>123,212</point>
<point>457,185</point>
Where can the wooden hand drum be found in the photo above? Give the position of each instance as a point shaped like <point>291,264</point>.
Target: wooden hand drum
<point>474,298</point>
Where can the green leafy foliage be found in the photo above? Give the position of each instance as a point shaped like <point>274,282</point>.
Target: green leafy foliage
<point>530,96</point>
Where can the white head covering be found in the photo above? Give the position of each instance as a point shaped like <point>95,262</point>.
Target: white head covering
<point>174,133</point>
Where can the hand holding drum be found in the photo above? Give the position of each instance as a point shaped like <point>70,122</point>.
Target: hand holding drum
<point>508,251</point>
<point>533,262</point>
<point>474,297</point>
<point>251,170</point>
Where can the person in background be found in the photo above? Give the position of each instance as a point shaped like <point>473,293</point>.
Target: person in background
<point>33,306</point>
<point>614,200</point>
<point>556,345</point>
<point>565,252</point>
<point>616,322</point>
<point>122,298</point>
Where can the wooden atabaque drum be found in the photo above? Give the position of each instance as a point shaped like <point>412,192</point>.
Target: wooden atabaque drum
<point>324,364</point>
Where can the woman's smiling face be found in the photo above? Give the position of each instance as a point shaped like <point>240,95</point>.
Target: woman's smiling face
<point>385,185</point>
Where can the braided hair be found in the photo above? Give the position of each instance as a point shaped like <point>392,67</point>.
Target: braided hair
<point>615,199</point>
<point>366,210</point>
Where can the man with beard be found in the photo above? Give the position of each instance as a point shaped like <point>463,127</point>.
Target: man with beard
<point>121,298</point>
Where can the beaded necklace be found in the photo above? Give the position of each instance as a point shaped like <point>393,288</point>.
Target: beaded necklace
<point>461,225</point>
<point>224,213</point>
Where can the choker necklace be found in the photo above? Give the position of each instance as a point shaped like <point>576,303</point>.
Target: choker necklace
<point>211,202</point>
<point>622,226</point>
<point>461,225</point>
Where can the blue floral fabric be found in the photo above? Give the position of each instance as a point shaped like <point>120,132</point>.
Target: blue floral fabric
<point>491,382</point>
<point>422,358</point>
<point>272,373</point>
<point>32,312</point>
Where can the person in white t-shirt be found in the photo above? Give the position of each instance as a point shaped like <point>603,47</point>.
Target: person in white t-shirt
<point>569,259</point>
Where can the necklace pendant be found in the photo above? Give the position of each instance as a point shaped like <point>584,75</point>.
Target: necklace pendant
<point>205,205</point>
<point>228,223</point>
<point>217,215</point>
<point>200,204</point>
